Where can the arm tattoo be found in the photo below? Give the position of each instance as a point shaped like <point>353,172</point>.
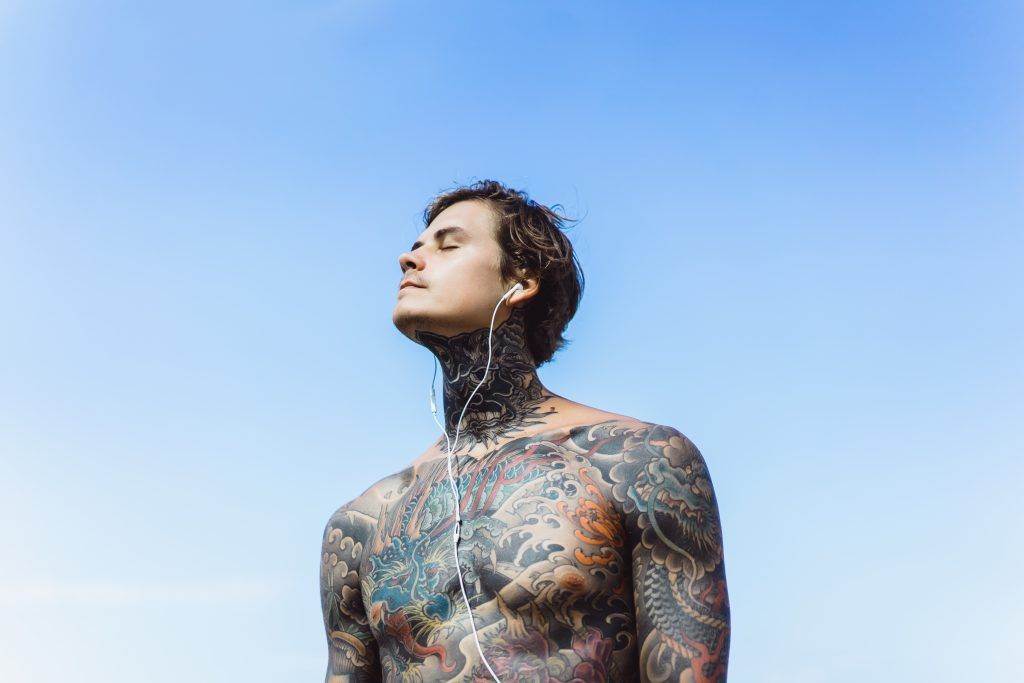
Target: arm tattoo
<point>678,570</point>
<point>352,650</point>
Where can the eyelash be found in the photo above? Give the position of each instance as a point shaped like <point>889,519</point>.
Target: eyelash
<point>447,248</point>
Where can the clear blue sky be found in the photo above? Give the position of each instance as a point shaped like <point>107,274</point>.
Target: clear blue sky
<point>802,235</point>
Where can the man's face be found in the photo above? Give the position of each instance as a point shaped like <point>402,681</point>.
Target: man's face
<point>456,263</point>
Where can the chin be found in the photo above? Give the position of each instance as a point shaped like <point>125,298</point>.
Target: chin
<point>408,320</point>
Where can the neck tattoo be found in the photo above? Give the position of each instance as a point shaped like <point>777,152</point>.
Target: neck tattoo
<point>507,401</point>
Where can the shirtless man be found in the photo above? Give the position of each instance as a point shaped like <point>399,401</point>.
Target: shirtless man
<point>590,547</point>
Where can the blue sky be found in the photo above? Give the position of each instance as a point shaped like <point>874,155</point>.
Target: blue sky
<point>802,235</point>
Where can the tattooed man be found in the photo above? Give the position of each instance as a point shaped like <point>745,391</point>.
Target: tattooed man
<point>591,547</point>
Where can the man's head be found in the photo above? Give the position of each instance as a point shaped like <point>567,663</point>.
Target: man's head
<point>479,241</point>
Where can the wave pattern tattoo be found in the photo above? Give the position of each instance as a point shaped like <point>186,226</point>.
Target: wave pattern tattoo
<point>590,553</point>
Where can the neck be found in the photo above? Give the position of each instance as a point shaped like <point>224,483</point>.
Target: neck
<point>510,396</point>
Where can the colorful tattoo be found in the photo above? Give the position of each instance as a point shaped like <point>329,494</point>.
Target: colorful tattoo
<point>589,554</point>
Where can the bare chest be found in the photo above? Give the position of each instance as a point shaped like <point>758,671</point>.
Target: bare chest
<point>542,556</point>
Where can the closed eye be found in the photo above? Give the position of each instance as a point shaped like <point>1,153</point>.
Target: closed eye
<point>447,248</point>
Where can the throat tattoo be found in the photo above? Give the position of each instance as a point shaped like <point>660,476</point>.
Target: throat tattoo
<point>510,398</point>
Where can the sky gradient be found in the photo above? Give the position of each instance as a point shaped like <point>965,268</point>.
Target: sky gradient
<point>801,228</point>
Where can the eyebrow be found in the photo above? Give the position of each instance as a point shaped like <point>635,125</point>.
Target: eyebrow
<point>440,234</point>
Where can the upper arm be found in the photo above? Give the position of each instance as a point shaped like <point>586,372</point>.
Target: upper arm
<point>352,649</point>
<point>678,571</point>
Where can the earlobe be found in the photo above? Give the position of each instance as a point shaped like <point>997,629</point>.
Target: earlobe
<point>526,284</point>
<point>531,288</point>
<point>517,287</point>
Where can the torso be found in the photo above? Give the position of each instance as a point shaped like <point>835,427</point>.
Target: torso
<point>544,556</point>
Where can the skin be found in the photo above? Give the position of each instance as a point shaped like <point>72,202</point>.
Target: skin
<point>591,545</point>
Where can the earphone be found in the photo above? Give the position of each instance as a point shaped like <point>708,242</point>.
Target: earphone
<point>518,287</point>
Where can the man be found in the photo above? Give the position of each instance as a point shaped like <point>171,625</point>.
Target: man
<point>590,546</point>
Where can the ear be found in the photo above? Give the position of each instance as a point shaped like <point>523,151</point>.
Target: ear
<point>531,286</point>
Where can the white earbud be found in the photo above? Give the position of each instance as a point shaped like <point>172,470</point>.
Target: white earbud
<point>518,287</point>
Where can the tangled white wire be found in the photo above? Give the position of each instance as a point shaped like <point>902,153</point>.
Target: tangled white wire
<point>451,476</point>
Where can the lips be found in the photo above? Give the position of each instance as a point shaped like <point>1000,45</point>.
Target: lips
<point>409,284</point>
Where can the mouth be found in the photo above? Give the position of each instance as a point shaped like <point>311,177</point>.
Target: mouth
<point>406,285</point>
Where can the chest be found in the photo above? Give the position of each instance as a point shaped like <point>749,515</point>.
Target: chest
<point>538,527</point>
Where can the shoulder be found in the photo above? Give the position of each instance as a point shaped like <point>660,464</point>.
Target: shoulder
<point>668,444</point>
<point>663,484</point>
<point>638,440</point>
<point>358,517</point>
<point>632,451</point>
<point>648,464</point>
<point>660,459</point>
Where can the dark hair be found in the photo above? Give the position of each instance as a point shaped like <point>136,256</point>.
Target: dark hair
<point>532,239</point>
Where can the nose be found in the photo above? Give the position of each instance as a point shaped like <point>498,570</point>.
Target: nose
<point>410,259</point>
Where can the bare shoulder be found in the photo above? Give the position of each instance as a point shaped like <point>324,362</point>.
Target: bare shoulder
<point>574,413</point>
<point>662,483</point>
<point>661,480</point>
<point>642,438</point>
<point>358,517</point>
<point>653,452</point>
<point>620,434</point>
<point>352,651</point>
<point>646,462</point>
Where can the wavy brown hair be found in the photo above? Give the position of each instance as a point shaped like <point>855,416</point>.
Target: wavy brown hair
<point>533,241</point>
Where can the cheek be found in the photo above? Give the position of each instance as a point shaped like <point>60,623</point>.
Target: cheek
<point>463,297</point>
<point>469,284</point>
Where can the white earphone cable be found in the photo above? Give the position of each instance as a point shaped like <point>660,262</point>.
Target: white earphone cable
<point>451,477</point>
